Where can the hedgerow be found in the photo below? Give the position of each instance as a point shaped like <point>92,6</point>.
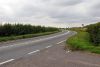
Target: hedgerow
<point>94,31</point>
<point>20,29</point>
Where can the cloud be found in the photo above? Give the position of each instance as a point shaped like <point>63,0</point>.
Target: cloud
<point>95,9</point>
<point>66,2</point>
<point>59,13</point>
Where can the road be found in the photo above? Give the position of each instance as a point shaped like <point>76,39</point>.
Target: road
<point>45,51</point>
<point>10,51</point>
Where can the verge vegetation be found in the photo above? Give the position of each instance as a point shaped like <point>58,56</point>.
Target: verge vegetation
<point>81,41</point>
<point>20,31</point>
<point>86,39</point>
<point>8,38</point>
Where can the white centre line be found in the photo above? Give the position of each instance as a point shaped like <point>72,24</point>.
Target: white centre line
<point>49,46</point>
<point>34,51</point>
<point>60,42</point>
<point>6,61</point>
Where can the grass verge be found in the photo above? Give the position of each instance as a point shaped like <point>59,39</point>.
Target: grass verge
<point>81,42</point>
<point>2,39</point>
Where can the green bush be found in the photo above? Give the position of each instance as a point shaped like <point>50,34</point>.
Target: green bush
<point>94,31</point>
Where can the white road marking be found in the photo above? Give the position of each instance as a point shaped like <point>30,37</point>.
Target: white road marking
<point>33,41</point>
<point>60,42</point>
<point>49,46</point>
<point>7,46</point>
<point>68,51</point>
<point>6,61</point>
<point>34,52</point>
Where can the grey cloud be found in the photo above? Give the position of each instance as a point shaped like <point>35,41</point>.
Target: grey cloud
<point>68,2</point>
<point>63,2</point>
<point>27,10</point>
<point>95,10</point>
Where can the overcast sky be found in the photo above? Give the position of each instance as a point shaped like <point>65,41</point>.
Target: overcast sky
<point>59,13</point>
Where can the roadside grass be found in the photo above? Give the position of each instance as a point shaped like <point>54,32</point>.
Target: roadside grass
<point>81,41</point>
<point>3,39</point>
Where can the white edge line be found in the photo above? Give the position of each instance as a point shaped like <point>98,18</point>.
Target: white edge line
<point>60,42</point>
<point>49,46</point>
<point>6,61</point>
<point>34,51</point>
<point>35,40</point>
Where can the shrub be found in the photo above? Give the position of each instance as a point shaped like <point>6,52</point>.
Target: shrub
<point>94,31</point>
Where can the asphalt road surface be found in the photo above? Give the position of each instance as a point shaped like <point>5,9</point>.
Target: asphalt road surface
<point>10,51</point>
<point>44,51</point>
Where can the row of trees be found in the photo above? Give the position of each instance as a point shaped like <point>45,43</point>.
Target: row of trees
<point>94,30</point>
<point>20,29</point>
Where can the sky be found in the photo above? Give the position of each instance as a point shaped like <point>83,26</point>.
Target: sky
<point>56,13</point>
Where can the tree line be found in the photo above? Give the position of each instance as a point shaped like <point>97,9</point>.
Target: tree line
<point>94,31</point>
<point>21,29</point>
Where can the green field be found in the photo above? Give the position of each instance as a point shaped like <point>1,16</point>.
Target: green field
<point>81,41</point>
